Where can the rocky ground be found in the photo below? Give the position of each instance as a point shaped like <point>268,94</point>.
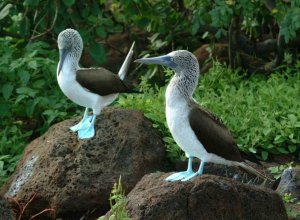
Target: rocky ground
<point>69,178</point>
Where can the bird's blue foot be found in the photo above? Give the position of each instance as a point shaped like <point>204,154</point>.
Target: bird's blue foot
<point>88,131</point>
<point>85,121</point>
<point>198,173</point>
<point>82,124</point>
<point>187,175</point>
<point>179,176</point>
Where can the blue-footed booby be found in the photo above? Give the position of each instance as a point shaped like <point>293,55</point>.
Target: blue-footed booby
<point>198,132</point>
<point>93,88</point>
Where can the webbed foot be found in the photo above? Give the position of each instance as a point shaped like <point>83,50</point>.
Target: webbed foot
<point>87,132</point>
<point>179,176</point>
<point>82,124</point>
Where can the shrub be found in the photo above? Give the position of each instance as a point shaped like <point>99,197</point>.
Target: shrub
<point>30,100</point>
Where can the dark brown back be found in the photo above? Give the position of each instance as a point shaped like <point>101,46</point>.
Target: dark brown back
<point>100,81</point>
<point>213,134</point>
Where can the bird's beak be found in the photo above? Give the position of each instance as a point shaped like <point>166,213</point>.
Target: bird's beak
<point>164,60</point>
<point>62,55</point>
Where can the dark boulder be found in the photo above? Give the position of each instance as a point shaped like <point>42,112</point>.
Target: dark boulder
<point>73,176</point>
<point>206,197</point>
<point>6,210</point>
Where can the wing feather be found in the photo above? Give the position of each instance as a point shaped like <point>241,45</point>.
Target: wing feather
<point>100,81</point>
<point>213,134</point>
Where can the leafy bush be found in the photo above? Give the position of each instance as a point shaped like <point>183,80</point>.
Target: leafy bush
<point>185,24</point>
<point>30,100</point>
<point>35,19</point>
<point>262,112</point>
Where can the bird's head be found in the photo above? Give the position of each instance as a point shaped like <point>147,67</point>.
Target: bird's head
<point>178,60</point>
<point>69,42</point>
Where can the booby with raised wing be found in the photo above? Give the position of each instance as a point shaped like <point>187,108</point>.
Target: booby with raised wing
<point>92,88</point>
<point>198,132</point>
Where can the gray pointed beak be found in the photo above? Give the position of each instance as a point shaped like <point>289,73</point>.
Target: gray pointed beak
<point>62,55</point>
<point>164,60</point>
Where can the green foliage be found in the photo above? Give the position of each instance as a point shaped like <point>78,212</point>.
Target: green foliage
<point>262,113</point>
<point>277,170</point>
<point>253,15</point>
<point>292,213</point>
<point>183,20</point>
<point>34,18</point>
<point>288,198</point>
<point>117,203</point>
<point>30,100</point>
<point>7,166</point>
<point>290,24</point>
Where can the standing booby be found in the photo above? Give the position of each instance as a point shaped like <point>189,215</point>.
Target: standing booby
<point>198,132</point>
<point>93,88</point>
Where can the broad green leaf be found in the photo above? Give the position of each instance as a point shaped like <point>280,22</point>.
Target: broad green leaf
<point>195,27</point>
<point>39,84</point>
<point>24,77</point>
<point>69,3</point>
<point>7,90</point>
<point>279,139</point>
<point>30,108</point>
<point>264,155</point>
<point>292,118</point>
<point>85,12</point>
<point>27,91</point>
<point>20,98</point>
<point>32,64</point>
<point>252,150</point>
<point>101,32</point>
<point>292,148</point>
<point>282,150</point>
<point>97,52</point>
<point>4,108</point>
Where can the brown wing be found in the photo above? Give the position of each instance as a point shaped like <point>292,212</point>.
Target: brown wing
<point>213,134</point>
<point>100,81</point>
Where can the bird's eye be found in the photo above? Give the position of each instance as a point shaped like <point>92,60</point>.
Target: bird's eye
<point>172,59</point>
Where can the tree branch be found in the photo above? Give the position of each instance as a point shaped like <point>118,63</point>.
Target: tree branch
<point>232,42</point>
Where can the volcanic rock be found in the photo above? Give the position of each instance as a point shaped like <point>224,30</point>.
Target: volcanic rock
<point>73,176</point>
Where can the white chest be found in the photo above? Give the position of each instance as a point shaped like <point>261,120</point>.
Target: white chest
<point>73,90</point>
<point>177,112</point>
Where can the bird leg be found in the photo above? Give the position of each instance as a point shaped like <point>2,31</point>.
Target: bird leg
<point>184,174</point>
<point>83,123</point>
<point>88,131</point>
<point>198,173</point>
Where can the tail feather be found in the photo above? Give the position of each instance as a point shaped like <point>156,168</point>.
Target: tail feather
<point>125,66</point>
<point>253,171</point>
